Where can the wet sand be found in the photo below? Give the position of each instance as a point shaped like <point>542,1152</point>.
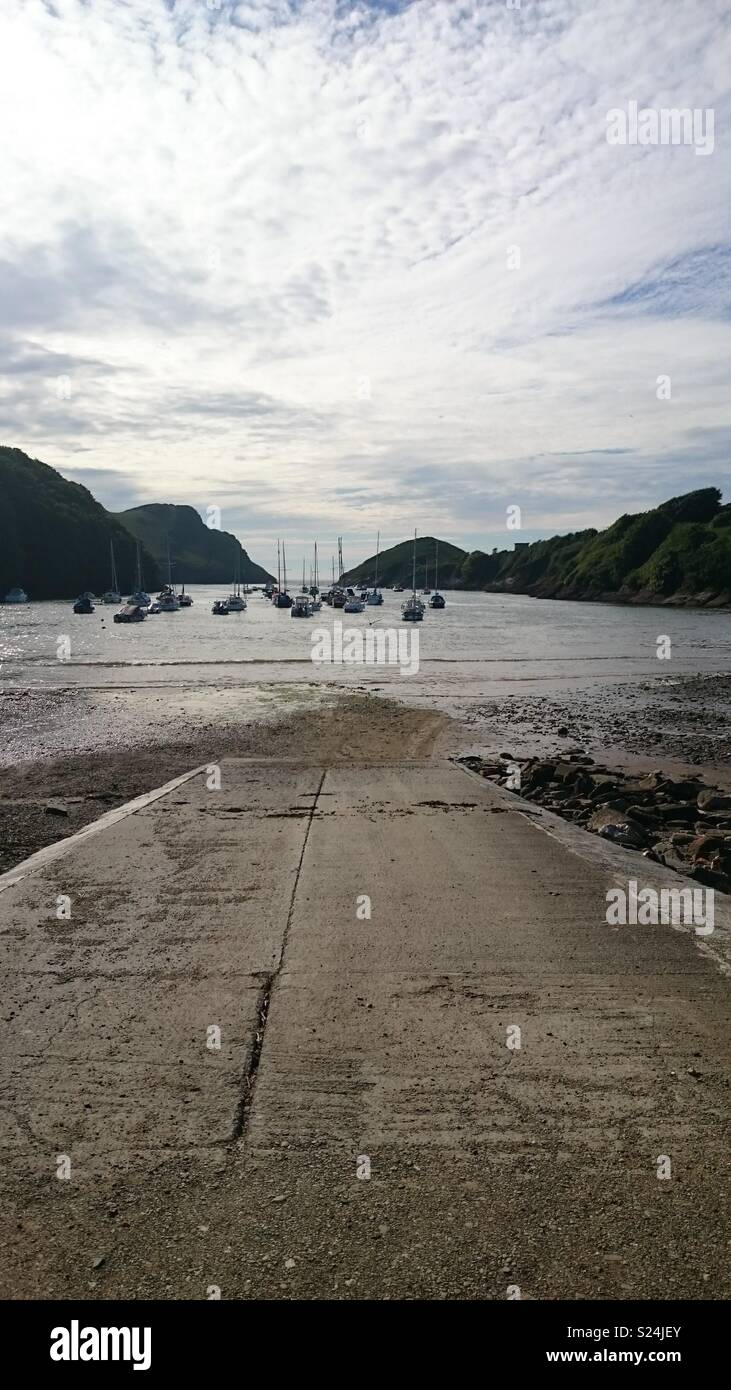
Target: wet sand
<point>91,750</point>
<point>209,726</point>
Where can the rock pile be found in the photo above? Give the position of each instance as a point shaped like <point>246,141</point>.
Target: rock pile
<point>683,824</point>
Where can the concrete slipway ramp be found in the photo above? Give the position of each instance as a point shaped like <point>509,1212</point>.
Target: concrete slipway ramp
<point>363,1129</point>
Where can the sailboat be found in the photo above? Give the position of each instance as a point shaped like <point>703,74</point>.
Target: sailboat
<point>437,600</point>
<point>236,600</point>
<point>315,586</point>
<point>184,599</point>
<point>167,598</point>
<point>302,606</point>
<point>112,595</point>
<point>140,595</point>
<point>426,590</point>
<point>282,599</point>
<point>413,608</point>
<point>375,596</point>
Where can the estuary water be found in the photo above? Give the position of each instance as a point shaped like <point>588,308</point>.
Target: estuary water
<point>479,643</point>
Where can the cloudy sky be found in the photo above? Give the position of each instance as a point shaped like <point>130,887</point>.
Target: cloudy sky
<point>345,266</point>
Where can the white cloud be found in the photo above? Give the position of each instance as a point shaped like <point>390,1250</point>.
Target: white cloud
<point>222,221</point>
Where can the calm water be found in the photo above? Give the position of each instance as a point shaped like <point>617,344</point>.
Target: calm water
<point>478,644</point>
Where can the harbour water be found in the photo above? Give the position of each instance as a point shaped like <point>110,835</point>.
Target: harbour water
<point>479,641</point>
<point>496,663</point>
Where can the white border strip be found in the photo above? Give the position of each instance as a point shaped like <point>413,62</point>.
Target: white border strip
<point>49,853</point>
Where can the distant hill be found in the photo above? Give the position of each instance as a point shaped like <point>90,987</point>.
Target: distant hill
<point>677,553</point>
<point>54,536</point>
<point>199,555</point>
<point>395,565</point>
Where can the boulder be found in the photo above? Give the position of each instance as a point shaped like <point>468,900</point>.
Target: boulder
<point>710,800</point>
<point>684,812</point>
<point>537,774</point>
<point>709,846</point>
<point>613,825</point>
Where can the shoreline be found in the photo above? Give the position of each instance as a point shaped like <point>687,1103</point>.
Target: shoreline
<point>85,753</point>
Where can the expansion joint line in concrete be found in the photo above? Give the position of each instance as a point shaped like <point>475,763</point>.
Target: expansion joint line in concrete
<point>269,981</point>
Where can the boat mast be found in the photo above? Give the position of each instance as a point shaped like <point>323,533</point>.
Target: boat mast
<point>378,547</point>
<point>139,569</point>
<point>284,566</point>
<point>114,568</point>
<point>279,569</point>
<point>436,564</point>
<point>413,574</point>
<point>316,583</point>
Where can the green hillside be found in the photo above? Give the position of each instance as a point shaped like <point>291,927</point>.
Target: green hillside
<point>677,552</point>
<point>199,555</point>
<point>395,565</point>
<point>54,536</point>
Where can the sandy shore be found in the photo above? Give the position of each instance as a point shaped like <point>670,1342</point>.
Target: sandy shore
<point>90,750</point>
<point>83,785</point>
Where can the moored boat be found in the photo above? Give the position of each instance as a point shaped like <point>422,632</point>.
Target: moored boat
<point>302,606</point>
<point>236,600</point>
<point>437,600</point>
<point>412,610</point>
<point>220,608</point>
<point>168,600</point>
<point>281,599</point>
<point>16,596</point>
<point>131,613</point>
<point>112,595</point>
<point>83,604</point>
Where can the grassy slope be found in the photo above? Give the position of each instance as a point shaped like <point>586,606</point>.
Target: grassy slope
<point>395,564</point>
<point>199,555</point>
<point>682,547</point>
<point>54,536</point>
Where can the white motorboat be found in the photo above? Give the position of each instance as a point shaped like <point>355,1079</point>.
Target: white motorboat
<point>168,600</point>
<point>302,606</point>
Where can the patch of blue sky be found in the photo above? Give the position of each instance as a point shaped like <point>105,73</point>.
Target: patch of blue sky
<point>696,283</point>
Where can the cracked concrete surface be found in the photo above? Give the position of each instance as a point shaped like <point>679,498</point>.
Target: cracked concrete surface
<point>344,1038</point>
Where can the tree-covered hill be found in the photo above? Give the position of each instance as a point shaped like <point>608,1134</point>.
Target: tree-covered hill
<point>395,565</point>
<point>54,536</point>
<point>679,552</point>
<point>199,554</point>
